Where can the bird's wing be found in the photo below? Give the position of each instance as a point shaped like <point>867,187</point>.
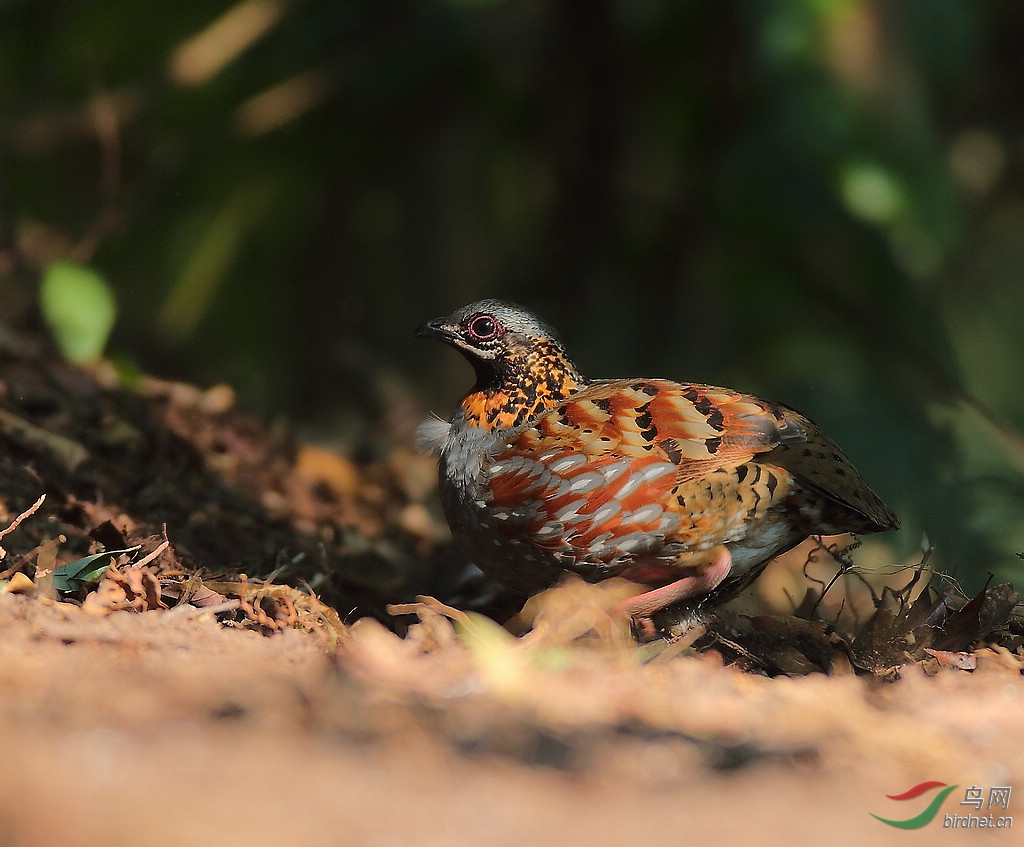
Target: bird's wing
<point>623,465</point>
<point>818,463</point>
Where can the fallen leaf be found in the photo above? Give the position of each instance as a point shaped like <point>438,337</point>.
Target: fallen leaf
<point>79,573</point>
<point>961,661</point>
<point>18,584</point>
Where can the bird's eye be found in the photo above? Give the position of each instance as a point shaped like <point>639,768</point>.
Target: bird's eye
<point>484,328</point>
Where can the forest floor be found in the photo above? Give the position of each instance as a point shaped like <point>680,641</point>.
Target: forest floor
<point>237,676</point>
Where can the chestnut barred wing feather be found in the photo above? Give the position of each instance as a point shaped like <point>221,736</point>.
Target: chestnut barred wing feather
<point>617,469</point>
<point>696,427</point>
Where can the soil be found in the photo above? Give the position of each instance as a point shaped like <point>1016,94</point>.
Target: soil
<point>247,682</point>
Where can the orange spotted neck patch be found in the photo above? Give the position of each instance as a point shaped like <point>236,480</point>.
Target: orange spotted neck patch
<point>538,380</point>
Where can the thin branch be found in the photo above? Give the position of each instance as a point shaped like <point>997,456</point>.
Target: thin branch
<point>31,510</point>
<point>145,560</point>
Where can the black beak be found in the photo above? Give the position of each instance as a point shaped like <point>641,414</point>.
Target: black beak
<point>435,329</point>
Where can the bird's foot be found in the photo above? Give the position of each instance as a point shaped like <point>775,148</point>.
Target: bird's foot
<point>709,575</point>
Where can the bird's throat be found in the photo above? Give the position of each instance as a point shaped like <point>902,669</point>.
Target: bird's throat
<point>523,389</point>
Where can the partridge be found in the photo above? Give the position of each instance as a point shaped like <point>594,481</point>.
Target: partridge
<point>687,489</point>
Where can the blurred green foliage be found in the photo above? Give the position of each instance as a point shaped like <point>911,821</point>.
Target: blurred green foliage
<point>821,201</point>
<point>78,306</point>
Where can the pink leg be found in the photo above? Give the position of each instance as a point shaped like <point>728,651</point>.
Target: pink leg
<point>641,607</point>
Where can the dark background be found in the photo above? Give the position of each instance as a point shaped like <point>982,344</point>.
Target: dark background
<point>818,201</point>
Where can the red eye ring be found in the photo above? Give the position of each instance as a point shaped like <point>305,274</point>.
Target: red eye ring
<point>484,328</point>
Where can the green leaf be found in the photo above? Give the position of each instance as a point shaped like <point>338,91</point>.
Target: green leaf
<point>79,573</point>
<point>79,308</point>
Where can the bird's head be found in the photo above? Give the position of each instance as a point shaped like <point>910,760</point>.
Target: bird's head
<point>521,366</point>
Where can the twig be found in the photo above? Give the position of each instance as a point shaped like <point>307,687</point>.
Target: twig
<point>68,452</point>
<point>31,510</point>
<point>739,650</point>
<point>425,601</point>
<point>188,612</point>
<point>841,555</point>
<point>145,560</point>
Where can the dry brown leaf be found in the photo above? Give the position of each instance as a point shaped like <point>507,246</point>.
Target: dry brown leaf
<point>319,466</point>
<point>19,584</point>
<point>961,661</point>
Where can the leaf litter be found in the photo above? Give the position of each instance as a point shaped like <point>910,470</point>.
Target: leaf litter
<point>141,557</point>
